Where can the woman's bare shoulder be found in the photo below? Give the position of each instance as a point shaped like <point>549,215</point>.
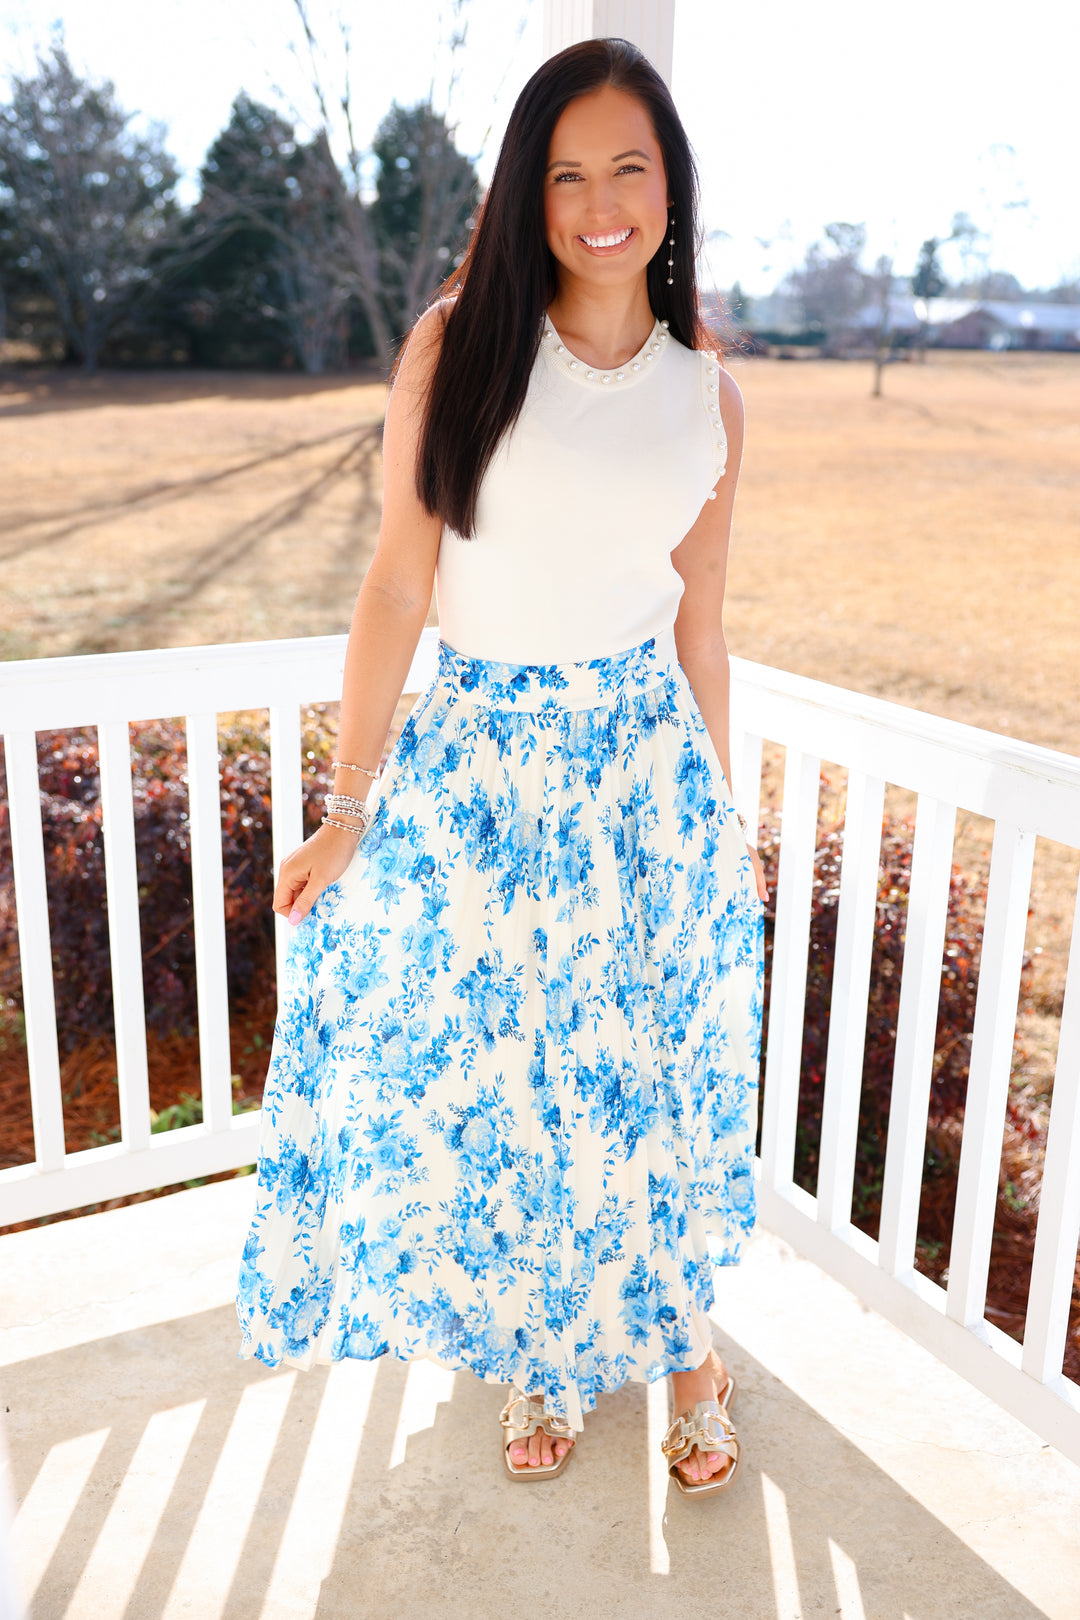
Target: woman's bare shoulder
<point>730,395</point>
<point>424,342</point>
<point>416,366</point>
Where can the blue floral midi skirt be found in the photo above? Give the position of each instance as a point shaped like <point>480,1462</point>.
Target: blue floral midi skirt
<point>510,1111</point>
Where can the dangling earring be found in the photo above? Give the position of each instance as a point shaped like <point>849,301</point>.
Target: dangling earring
<point>671,252</point>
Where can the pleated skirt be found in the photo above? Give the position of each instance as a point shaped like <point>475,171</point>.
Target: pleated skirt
<point>510,1111</point>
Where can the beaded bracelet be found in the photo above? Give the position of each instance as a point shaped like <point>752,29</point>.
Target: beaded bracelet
<point>344,804</point>
<point>343,765</point>
<point>358,832</point>
<point>361,810</point>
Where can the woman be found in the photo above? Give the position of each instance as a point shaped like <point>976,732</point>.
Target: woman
<point>509,1117</point>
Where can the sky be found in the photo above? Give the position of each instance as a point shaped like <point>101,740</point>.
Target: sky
<point>799,114</point>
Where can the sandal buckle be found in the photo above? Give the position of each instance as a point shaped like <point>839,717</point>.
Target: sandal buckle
<point>526,1413</point>
<point>517,1413</point>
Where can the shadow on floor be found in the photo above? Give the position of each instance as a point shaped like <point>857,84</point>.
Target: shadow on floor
<point>162,1477</point>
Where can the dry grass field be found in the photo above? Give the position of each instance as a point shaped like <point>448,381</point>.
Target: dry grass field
<point>924,547</point>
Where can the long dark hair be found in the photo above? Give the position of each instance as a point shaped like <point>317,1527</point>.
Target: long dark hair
<point>507,279</point>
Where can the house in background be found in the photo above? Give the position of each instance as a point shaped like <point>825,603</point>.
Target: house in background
<point>997,324</point>
<point>978,323</point>
<point>948,323</point>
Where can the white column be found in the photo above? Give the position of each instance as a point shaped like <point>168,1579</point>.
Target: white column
<point>649,24</point>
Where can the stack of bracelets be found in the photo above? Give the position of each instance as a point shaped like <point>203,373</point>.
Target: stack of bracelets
<point>343,804</point>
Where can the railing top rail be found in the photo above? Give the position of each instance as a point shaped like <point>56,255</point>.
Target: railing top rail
<point>917,724</point>
<point>43,694</point>
<point>999,777</point>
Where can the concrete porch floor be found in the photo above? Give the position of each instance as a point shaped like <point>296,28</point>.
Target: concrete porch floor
<point>158,1476</point>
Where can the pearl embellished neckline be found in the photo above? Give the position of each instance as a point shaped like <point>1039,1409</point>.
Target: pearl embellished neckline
<point>610,377</point>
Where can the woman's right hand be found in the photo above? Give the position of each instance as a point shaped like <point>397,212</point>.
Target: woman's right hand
<point>304,874</point>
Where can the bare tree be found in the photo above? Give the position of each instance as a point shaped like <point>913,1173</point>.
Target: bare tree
<point>830,286</point>
<point>426,192</point>
<point>881,285</point>
<point>313,299</point>
<point>390,276</point>
<point>90,202</point>
<point>1067,291</point>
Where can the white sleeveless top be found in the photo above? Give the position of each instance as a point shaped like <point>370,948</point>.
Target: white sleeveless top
<point>583,503</point>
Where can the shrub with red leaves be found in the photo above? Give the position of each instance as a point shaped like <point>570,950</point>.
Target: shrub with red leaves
<point>75,869</point>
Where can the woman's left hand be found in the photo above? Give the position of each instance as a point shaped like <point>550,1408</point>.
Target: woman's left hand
<point>759,873</point>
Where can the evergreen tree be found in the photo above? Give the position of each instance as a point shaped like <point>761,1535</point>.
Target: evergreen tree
<point>26,312</point>
<point>226,291</point>
<point>739,304</point>
<point>264,280</point>
<point>928,281</point>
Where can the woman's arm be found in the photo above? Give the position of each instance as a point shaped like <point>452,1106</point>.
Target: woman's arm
<point>386,624</point>
<point>701,558</point>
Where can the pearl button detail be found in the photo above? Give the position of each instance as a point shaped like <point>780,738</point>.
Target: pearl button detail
<point>573,365</point>
<point>590,375</point>
<point>712,494</point>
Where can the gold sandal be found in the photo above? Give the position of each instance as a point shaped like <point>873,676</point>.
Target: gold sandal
<point>521,1417</point>
<point>708,1427</point>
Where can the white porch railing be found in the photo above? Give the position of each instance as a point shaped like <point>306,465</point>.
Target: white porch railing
<point>1026,791</point>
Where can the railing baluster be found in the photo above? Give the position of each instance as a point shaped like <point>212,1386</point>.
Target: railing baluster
<point>791,942</point>
<point>916,1029</point>
<point>35,947</point>
<point>746,766</point>
<point>1054,1262</point>
<point>208,904</point>
<point>1000,966</point>
<point>850,986</point>
<point>125,940</point>
<point>286,807</point>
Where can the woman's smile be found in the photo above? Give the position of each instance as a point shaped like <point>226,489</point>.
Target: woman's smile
<point>608,242</point>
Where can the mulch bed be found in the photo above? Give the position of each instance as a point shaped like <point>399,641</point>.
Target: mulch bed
<point>91,1103</point>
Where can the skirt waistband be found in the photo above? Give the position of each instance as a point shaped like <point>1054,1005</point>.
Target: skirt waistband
<point>580,685</point>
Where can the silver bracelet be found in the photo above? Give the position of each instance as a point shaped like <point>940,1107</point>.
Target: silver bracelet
<point>357,832</point>
<point>344,804</point>
<point>342,765</point>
